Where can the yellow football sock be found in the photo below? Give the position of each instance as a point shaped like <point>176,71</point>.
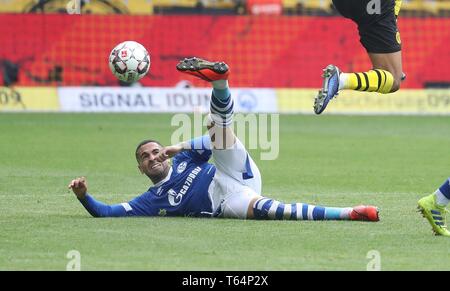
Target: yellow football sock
<point>372,81</point>
<point>398,5</point>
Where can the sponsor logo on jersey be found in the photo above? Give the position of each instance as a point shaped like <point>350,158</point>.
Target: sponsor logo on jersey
<point>181,167</point>
<point>174,197</point>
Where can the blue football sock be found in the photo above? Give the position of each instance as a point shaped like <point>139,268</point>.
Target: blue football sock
<point>266,208</point>
<point>443,194</point>
<point>445,188</point>
<point>221,107</point>
<point>221,94</point>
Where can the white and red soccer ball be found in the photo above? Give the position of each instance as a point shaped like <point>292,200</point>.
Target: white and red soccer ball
<point>129,61</point>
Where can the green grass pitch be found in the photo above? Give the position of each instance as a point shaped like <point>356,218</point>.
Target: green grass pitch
<point>388,161</point>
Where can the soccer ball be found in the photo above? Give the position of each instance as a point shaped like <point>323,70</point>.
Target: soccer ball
<point>129,61</point>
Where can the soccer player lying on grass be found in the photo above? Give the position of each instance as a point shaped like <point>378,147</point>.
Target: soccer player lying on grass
<point>378,31</point>
<point>433,208</point>
<point>190,186</point>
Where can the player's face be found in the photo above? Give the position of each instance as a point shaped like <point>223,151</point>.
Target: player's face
<point>147,162</point>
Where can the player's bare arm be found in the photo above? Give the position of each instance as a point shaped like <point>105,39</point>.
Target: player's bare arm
<point>170,151</point>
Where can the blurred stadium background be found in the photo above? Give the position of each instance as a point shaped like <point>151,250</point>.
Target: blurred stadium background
<point>278,44</point>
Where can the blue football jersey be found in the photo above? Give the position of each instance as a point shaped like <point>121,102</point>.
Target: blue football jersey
<point>183,193</point>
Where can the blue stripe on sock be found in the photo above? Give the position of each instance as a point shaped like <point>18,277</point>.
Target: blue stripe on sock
<point>445,188</point>
<point>228,112</point>
<point>318,213</point>
<point>221,93</point>
<point>263,213</point>
<point>293,211</point>
<point>220,102</point>
<point>305,211</point>
<point>280,211</point>
<point>267,204</point>
<point>222,113</point>
<point>220,107</point>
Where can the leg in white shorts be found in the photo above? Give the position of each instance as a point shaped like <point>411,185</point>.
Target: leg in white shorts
<point>237,181</point>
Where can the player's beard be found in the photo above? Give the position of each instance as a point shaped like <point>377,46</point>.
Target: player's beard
<point>159,172</point>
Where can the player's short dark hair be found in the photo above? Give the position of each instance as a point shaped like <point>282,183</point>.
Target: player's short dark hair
<point>143,143</point>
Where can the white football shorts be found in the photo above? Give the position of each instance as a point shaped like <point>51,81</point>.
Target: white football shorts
<point>236,182</point>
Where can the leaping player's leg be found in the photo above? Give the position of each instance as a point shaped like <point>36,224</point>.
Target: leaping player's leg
<point>380,37</point>
<point>391,62</point>
<point>391,65</point>
<point>385,77</point>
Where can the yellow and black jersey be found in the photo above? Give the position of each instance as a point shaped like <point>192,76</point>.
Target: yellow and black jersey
<point>377,22</point>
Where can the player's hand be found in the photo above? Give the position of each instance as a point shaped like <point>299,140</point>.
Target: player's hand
<point>168,152</point>
<point>79,187</point>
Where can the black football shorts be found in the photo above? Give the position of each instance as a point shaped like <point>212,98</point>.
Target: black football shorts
<point>377,23</point>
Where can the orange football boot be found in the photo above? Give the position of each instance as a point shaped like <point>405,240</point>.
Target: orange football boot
<point>205,70</point>
<point>365,213</point>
